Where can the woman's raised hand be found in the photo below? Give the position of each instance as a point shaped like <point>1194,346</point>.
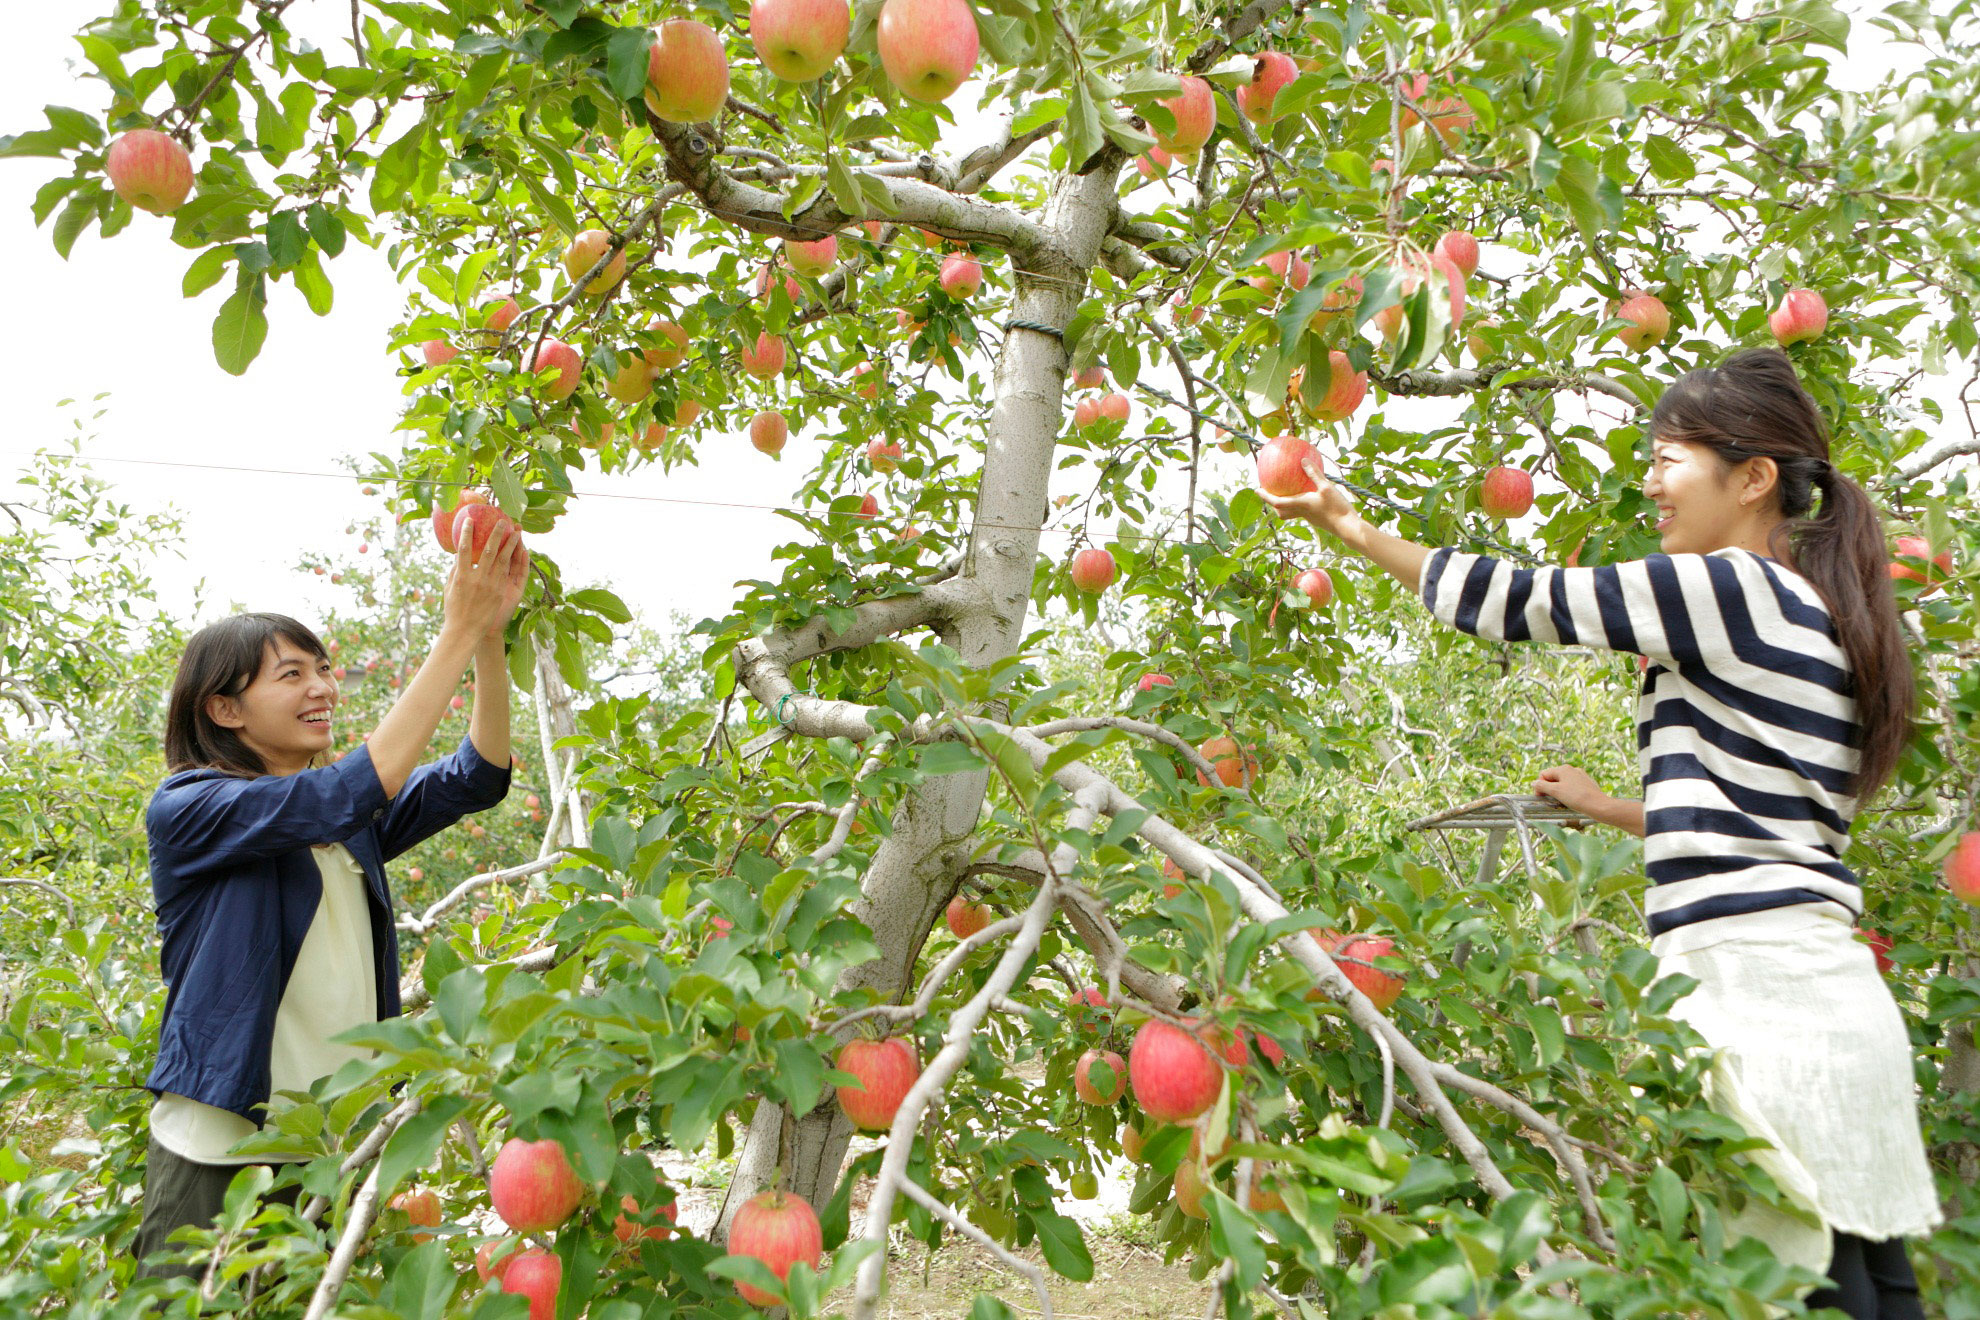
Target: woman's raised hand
<point>1326,506</point>
<point>481,594</point>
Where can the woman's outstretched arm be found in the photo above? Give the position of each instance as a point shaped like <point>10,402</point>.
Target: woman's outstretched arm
<point>1328,508</point>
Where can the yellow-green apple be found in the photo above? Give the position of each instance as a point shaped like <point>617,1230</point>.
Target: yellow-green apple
<point>1089,378</point>
<point>1649,321</point>
<point>671,352</point>
<point>1281,465</point>
<point>1285,269</point>
<point>687,412</point>
<point>813,258</point>
<point>1506,492</point>
<point>438,352</point>
<point>1195,112</point>
<point>966,918</point>
<point>766,359</point>
<point>1478,342</point>
<point>1236,767</point>
<point>1356,956</point>
<point>1461,248</point>
<point>1103,1090</point>
<point>536,1274</point>
<point>768,430</point>
<point>1093,569</point>
<point>687,72</point>
<point>584,253</point>
<point>1318,586</point>
<point>927,47</point>
<point>531,1183</point>
<point>150,170</point>
<point>1919,549</point>
<point>962,274</point>
<point>1801,315</point>
<point>1269,73</point>
<point>1174,1075</point>
<point>633,380</point>
<point>799,39</point>
<point>884,455</point>
<point>1346,388</point>
<point>556,355</point>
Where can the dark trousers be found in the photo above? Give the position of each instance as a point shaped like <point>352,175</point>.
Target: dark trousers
<point>1873,1281</point>
<point>177,1192</point>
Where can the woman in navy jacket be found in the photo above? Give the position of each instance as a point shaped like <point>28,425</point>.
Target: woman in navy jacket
<point>268,867</point>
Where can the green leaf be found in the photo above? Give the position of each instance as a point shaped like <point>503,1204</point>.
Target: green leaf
<point>600,601</point>
<point>844,188</point>
<point>1062,1244</point>
<point>241,328</point>
<point>325,228</point>
<point>1668,1195</point>
<point>1577,188</point>
<point>949,758</point>
<point>553,205</point>
<point>206,270</point>
<point>417,1141</point>
<point>286,243</point>
<point>508,490</point>
<point>1235,1238</point>
<point>397,166</point>
<point>1672,163</point>
<point>424,1282</point>
<point>626,60</point>
<point>74,219</point>
<point>314,285</point>
<point>800,1074</point>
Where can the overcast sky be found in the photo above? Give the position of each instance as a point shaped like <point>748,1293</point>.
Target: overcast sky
<point>111,320</point>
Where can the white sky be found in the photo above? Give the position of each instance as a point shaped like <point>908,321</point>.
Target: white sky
<point>112,319</point>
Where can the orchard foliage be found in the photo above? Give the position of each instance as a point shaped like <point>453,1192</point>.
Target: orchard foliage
<point>757,883</point>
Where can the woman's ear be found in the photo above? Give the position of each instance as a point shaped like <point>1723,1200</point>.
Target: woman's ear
<point>224,711</point>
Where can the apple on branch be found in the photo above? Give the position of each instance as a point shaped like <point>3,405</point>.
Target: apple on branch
<point>583,254</point>
<point>1802,315</point>
<point>927,47</point>
<point>1649,320</point>
<point>1506,492</point>
<point>798,40</point>
<point>1093,570</point>
<point>1269,74</point>
<point>150,170</point>
<point>687,72</point>
<point>1194,109</point>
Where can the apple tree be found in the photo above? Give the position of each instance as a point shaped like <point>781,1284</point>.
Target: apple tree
<point>1020,278</point>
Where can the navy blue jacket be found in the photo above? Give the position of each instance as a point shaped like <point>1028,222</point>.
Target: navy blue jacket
<point>236,888</point>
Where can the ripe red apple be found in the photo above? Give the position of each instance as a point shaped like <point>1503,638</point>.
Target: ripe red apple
<point>478,522</point>
<point>1281,466</point>
<point>780,1230</point>
<point>1149,682</point>
<point>438,352</point>
<point>1880,947</point>
<point>1195,111</point>
<point>868,507</point>
<point>927,47</point>
<point>962,274</point>
<point>1153,162</point>
<point>1083,1082</point>
<point>966,918</point>
<point>1234,769</point>
<point>635,1222</point>
<point>799,39</point>
<point>443,517</point>
<point>1801,315</point>
<point>766,280</point>
<point>457,703</point>
<point>686,412</point>
<point>537,1275</point>
<point>866,379</point>
<point>504,314</point>
<point>768,430</point>
<point>150,170</point>
<point>1087,1007</point>
<point>1918,548</point>
<point>533,1186</point>
<point>1271,72</point>
<point>1174,873</point>
<point>1649,321</point>
<point>1963,869</point>
<point>564,360</point>
<point>1287,268</point>
<point>633,380</point>
<point>1093,570</point>
<point>1115,408</point>
<point>1460,249</point>
<point>660,359</point>
<point>491,1259</point>
<point>532,802</point>
<point>1343,297</point>
<point>767,359</point>
<point>811,258</point>
<point>651,438</point>
<point>1346,388</point>
<point>886,1070</point>
<point>1317,585</point>
<point>1356,955</point>
<point>1414,268</point>
<point>687,72</point>
<point>1086,413</point>
<point>583,254</point>
<point>420,1207</point>
<point>1175,1077</point>
<point>1089,378</point>
<point>1506,492</point>
<point>1132,1140</point>
<point>884,455</point>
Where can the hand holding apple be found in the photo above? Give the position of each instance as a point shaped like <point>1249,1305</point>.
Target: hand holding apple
<point>1326,506</point>
<point>1571,787</point>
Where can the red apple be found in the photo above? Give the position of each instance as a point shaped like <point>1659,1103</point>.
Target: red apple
<point>1084,1085</point>
<point>491,1259</point>
<point>799,39</point>
<point>150,170</point>
<point>1356,956</point>
<point>564,360</point>
<point>768,430</point>
<point>1087,1007</point>
<point>886,1070</point>
<point>478,522</point>
<point>1132,1141</point>
<point>866,379</point>
<point>443,517</point>
<point>927,47</point>
<point>636,1221</point>
<point>1506,492</point>
<point>1343,297</point>
<point>660,359</point>
<point>1281,466</point>
<point>1153,162</point>
<point>766,277</point>
<point>1880,947</point>
<point>584,253</point>
<point>962,274</point>
<point>1185,313</point>
<point>767,359</point>
<point>1801,315</point>
<point>438,352</point>
<point>1963,869</point>
<point>1089,378</point>
<point>420,1207</point>
<point>537,1275</point>
<point>1174,872</point>
<point>780,1230</point>
<point>1919,549</point>
<point>1271,72</point>
<point>1086,413</point>
<point>651,438</point>
<point>868,507</point>
<point>533,1186</point>
<point>1195,111</point>
<point>686,411</point>
<point>1287,268</point>
<point>1234,769</point>
<point>687,72</point>
<point>811,258</point>
<point>504,314</point>
<point>1319,587</point>
<point>1649,321</point>
<point>1346,388</point>
<point>1093,570</point>
<point>966,918</point>
<point>1149,682</point>
<point>1115,408</point>
<point>1460,249</point>
<point>1175,1077</point>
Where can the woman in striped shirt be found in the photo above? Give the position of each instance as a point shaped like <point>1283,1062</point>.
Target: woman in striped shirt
<point>1777,699</point>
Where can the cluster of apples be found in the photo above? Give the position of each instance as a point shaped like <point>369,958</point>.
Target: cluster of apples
<point>1093,409</point>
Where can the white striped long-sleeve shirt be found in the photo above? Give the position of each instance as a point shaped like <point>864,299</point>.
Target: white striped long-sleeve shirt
<point>1745,725</point>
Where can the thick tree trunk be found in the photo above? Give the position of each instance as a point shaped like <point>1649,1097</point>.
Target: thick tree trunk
<point>915,871</point>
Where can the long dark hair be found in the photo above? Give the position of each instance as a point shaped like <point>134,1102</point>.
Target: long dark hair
<point>1752,406</point>
<point>221,660</point>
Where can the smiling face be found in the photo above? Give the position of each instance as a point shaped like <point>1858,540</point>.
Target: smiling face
<point>1703,505</point>
<point>284,714</point>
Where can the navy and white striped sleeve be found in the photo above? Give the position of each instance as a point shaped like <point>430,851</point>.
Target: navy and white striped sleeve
<point>1672,608</point>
